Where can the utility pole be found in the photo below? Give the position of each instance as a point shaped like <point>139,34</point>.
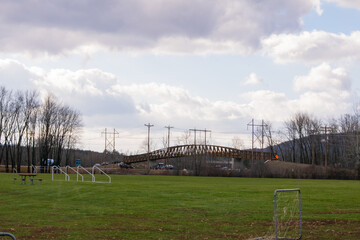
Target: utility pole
<point>168,142</point>
<point>194,130</point>
<point>252,141</point>
<point>325,130</point>
<point>198,162</point>
<point>168,127</point>
<point>312,137</point>
<point>199,130</point>
<point>312,151</point>
<point>148,126</point>
<point>105,139</point>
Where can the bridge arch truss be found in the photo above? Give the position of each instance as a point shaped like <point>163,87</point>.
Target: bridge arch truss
<point>198,150</point>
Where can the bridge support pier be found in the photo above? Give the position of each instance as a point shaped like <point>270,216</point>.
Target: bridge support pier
<point>235,163</point>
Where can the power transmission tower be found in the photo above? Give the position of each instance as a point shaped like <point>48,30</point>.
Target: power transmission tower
<point>260,138</point>
<point>199,130</point>
<point>148,126</point>
<point>110,140</point>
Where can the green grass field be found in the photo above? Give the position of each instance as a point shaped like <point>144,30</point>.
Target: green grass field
<point>172,207</point>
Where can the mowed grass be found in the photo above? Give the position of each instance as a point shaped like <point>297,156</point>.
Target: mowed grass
<point>172,207</point>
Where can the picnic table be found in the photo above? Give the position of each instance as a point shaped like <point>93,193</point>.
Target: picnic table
<point>25,175</point>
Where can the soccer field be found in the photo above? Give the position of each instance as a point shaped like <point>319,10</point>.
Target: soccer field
<point>172,207</point>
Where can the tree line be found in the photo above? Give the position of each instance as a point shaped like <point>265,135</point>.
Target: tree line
<point>33,131</point>
<point>306,139</point>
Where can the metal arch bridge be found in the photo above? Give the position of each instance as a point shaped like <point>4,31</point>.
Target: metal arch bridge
<point>197,150</point>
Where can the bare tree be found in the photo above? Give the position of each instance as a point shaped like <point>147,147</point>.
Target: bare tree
<point>67,123</point>
<point>144,145</point>
<point>74,129</point>
<point>237,142</point>
<point>26,105</point>
<point>58,129</point>
<point>184,139</point>
<point>348,140</point>
<point>47,119</point>
<point>291,135</point>
<point>300,131</point>
<point>6,125</point>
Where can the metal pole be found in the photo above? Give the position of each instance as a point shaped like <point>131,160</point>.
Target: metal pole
<point>312,151</point>
<point>114,141</point>
<point>195,137</point>
<point>252,143</point>
<point>148,161</point>
<point>275,215</point>
<point>105,142</point>
<point>325,147</point>
<point>205,137</point>
<point>168,127</point>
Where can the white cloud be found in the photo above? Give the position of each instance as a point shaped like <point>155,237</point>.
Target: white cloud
<point>323,104</point>
<point>161,101</point>
<point>265,104</point>
<point>86,90</point>
<point>326,91</point>
<point>347,3</point>
<point>253,79</point>
<point>14,73</point>
<point>161,26</point>
<point>315,46</point>
<point>324,79</point>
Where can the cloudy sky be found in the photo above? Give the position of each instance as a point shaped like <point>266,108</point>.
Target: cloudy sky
<point>190,64</point>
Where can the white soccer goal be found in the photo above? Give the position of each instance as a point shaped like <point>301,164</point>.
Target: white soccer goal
<point>287,216</point>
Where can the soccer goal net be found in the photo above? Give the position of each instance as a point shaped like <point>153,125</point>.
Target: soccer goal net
<point>287,215</point>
